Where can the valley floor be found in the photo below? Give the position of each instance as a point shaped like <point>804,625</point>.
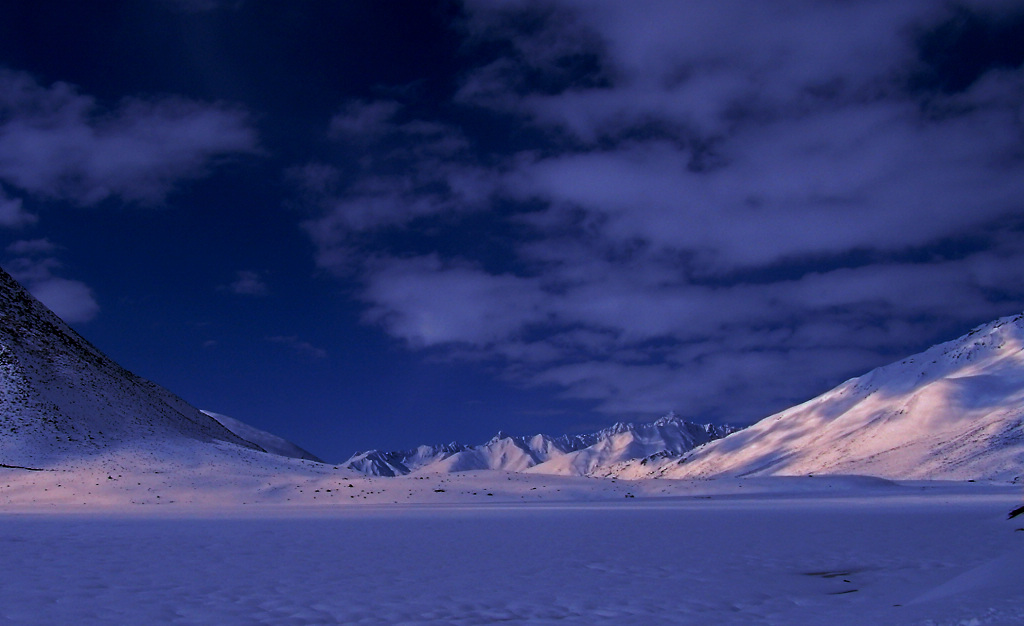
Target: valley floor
<point>781,552</point>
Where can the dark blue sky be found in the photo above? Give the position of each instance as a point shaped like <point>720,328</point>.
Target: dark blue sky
<point>378,224</point>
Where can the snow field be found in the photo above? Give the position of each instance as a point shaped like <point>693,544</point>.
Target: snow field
<point>943,555</point>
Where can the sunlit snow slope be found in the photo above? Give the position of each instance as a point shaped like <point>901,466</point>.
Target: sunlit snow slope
<point>955,411</point>
<point>268,441</point>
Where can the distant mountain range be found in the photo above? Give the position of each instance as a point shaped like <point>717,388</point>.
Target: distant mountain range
<point>955,411</point>
<point>577,455</point>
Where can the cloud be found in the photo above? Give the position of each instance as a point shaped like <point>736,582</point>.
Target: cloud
<point>630,342</point>
<point>12,215</point>
<point>427,304</point>
<point>863,178</point>
<point>72,300</point>
<point>361,119</point>
<point>248,283</point>
<point>300,347</point>
<point>399,170</point>
<point>58,143</point>
<point>715,207</point>
<point>35,267</point>
<point>27,247</point>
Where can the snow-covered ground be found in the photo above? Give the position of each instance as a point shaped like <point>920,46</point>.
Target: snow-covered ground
<point>836,550</point>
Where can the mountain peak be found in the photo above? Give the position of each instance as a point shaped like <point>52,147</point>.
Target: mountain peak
<point>669,418</point>
<point>499,436</point>
<point>62,399</point>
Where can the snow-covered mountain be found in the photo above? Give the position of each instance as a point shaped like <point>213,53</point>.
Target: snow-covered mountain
<point>268,441</point>
<point>61,399</point>
<point>400,462</point>
<point>576,455</point>
<point>955,411</point>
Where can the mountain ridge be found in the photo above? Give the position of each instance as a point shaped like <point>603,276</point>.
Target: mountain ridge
<point>268,441</point>
<point>954,412</point>
<point>63,400</point>
<point>564,454</point>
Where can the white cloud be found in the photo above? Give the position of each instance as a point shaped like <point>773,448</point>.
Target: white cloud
<point>300,347</point>
<point>427,304</point>
<point>400,171</point>
<point>726,207</point>
<point>632,345</point>
<point>72,300</point>
<point>58,143</point>
<point>30,247</point>
<point>12,215</point>
<point>248,283</point>
<point>811,179</point>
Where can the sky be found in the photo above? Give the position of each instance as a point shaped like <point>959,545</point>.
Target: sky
<point>381,223</point>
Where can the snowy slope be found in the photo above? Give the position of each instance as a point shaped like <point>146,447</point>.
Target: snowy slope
<point>955,411</point>
<point>268,441</point>
<point>569,455</point>
<point>62,401</point>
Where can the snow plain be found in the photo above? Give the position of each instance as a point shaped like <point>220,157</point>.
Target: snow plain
<point>541,549</point>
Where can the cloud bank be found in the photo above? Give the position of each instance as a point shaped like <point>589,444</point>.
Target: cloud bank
<point>715,207</point>
<point>56,143</point>
<point>59,144</point>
